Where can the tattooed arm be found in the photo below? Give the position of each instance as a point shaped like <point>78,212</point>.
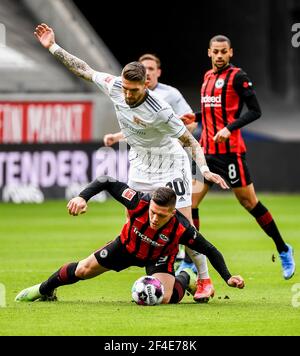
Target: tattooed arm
<point>193,145</point>
<point>46,37</point>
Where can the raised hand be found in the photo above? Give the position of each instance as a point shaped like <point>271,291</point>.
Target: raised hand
<point>109,140</point>
<point>45,35</point>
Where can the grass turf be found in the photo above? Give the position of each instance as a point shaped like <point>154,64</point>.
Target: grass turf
<point>35,240</point>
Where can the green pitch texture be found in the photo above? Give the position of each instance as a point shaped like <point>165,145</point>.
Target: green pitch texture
<point>35,240</point>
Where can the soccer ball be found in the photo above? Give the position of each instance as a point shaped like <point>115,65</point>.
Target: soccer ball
<point>147,290</point>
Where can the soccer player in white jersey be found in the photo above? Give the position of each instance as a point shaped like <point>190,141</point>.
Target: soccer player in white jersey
<point>170,94</point>
<point>182,109</point>
<point>149,125</point>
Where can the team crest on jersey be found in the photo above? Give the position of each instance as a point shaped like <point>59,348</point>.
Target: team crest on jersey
<point>109,79</point>
<point>139,121</point>
<point>220,83</point>
<point>128,194</point>
<point>164,237</point>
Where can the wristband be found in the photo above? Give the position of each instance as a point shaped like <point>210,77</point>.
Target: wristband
<point>53,48</point>
<point>204,169</point>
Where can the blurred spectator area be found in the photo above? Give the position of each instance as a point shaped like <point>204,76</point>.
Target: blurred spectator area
<point>29,73</point>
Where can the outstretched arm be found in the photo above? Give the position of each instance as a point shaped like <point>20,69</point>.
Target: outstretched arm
<point>191,143</point>
<point>46,37</point>
<point>120,191</point>
<point>194,240</point>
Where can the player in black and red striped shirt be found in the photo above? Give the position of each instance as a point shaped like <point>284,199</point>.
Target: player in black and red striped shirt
<point>225,90</point>
<point>149,239</point>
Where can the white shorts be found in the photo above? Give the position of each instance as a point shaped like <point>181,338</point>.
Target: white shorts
<point>179,179</point>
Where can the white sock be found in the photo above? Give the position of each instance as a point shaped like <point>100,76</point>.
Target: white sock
<point>200,262</point>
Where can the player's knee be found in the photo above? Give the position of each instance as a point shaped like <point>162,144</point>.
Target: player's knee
<point>167,297</point>
<point>83,270</point>
<point>247,203</point>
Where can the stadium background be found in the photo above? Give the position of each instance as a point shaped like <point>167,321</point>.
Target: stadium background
<point>52,123</point>
<point>51,128</point>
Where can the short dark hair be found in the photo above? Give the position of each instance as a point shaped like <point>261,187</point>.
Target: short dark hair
<point>151,57</point>
<point>164,196</point>
<point>134,72</point>
<point>219,38</point>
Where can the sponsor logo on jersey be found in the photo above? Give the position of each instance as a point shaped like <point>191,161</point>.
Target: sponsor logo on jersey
<point>128,194</point>
<point>247,85</point>
<point>220,83</point>
<point>146,238</point>
<point>211,101</point>
<point>139,121</point>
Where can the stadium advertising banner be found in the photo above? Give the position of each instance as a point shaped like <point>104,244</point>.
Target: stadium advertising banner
<point>34,173</point>
<point>45,122</point>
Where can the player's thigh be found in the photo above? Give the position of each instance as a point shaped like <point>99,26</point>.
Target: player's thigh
<point>114,256</point>
<point>167,281</point>
<point>246,196</point>
<point>200,189</point>
<point>89,268</point>
<point>187,212</point>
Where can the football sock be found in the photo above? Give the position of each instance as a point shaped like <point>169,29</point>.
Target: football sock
<point>266,222</point>
<point>200,262</point>
<point>195,216</point>
<point>65,275</point>
<point>187,258</point>
<point>181,282</point>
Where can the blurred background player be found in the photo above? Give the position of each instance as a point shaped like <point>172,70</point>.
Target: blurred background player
<point>224,91</point>
<point>150,127</point>
<point>149,239</point>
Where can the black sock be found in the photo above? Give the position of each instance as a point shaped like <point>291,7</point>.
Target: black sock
<point>181,282</point>
<point>266,222</point>
<point>187,258</point>
<point>65,275</point>
<point>195,216</point>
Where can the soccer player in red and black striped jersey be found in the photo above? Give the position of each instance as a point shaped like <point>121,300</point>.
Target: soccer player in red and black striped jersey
<point>149,239</point>
<point>225,90</point>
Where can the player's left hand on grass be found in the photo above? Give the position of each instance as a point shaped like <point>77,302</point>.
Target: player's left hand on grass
<point>215,178</point>
<point>236,282</point>
<point>222,135</point>
<point>77,206</point>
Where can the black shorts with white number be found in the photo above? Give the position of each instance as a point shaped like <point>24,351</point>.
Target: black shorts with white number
<point>232,167</point>
<point>114,256</point>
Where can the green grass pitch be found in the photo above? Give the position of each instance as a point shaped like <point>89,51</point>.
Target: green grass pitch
<point>35,240</point>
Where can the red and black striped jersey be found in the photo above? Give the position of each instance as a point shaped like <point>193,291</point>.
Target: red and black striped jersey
<point>149,244</point>
<point>222,97</point>
<point>146,243</point>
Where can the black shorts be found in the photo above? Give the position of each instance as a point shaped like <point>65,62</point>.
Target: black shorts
<point>114,256</point>
<point>232,167</point>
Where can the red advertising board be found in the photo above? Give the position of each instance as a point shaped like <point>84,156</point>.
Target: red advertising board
<point>45,122</point>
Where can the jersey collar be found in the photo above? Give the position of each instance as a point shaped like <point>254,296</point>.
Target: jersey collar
<point>229,65</point>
